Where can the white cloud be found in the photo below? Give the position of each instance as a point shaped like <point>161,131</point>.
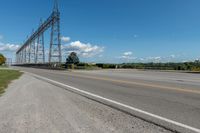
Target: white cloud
<point>83,49</point>
<point>8,47</point>
<point>184,61</point>
<point>172,56</point>
<point>141,59</point>
<point>161,59</point>
<point>65,39</point>
<point>155,59</point>
<point>127,56</point>
<point>127,53</point>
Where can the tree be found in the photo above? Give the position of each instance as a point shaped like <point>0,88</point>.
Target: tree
<point>2,59</point>
<point>72,59</point>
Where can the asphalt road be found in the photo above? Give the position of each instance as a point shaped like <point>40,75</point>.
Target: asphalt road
<point>172,95</point>
<point>31,105</point>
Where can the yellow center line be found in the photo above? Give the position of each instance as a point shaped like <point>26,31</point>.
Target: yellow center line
<point>134,83</point>
<point>137,83</point>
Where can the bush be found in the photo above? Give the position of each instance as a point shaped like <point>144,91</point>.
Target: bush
<point>106,66</point>
<point>2,59</point>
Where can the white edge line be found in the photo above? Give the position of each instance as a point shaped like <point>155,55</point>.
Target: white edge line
<point>121,104</point>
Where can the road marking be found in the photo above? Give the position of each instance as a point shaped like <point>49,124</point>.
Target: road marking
<point>173,78</point>
<point>133,83</point>
<point>137,83</point>
<point>120,104</point>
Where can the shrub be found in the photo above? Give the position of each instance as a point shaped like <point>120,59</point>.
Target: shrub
<point>2,59</point>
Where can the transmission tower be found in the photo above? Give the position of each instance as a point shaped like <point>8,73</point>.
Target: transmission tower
<point>40,55</point>
<point>33,50</point>
<point>55,43</point>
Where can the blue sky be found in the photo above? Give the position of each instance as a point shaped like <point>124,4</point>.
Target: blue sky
<point>110,30</point>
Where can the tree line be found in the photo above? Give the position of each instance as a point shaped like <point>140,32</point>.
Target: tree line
<point>190,66</point>
<point>74,61</point>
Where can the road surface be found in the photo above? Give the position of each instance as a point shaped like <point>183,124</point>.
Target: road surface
<point>34,106</point>
<point>172,95</point>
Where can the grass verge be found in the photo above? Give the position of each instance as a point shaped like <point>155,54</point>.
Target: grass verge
<point>6,76</point>
<point>3,66</point>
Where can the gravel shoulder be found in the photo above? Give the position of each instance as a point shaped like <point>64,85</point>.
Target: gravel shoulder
<point>33,106</point>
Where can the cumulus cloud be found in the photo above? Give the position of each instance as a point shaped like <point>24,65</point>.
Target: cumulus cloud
<point>141,59</point>
<point>83,49</point>
<point>127,53</point>
<point>155,59</point>
<point>65,39</point>
<point>8,47</point>
<point>127,56</point>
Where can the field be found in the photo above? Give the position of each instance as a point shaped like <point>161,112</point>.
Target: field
<point>6,76</point>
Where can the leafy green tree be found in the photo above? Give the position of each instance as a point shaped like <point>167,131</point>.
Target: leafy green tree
<point>2,59</point>
<point>72,59</point>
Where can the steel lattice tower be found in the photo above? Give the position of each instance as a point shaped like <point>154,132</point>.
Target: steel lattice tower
<point>55,43</point>
<point>33,50</point>
<point>40,57</point>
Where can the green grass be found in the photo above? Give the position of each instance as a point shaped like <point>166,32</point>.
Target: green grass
<point>6,76</point>
<point>3,66</point>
